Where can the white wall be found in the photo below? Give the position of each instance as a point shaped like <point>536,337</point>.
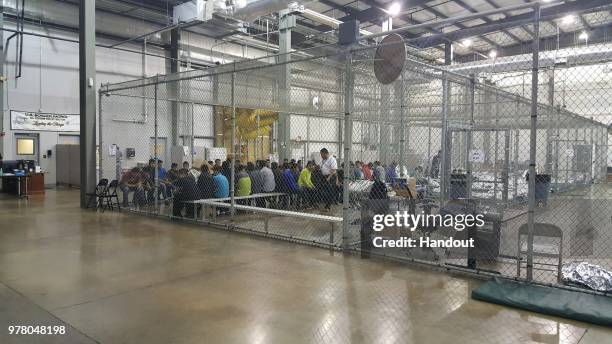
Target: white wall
<point>49,83</point>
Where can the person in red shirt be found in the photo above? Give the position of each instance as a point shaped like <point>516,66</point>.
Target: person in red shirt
<point>367,171</point>
<point>134,180</point>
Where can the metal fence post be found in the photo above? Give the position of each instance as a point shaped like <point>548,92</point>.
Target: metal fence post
<point>533,141</point>
<point>192,133</point>
<point>233,161</point>
<point>444,161</point>
<point>155,148</point>
<point>100,140</point>
<point>469,138</point>
<point>348,143</point>
<point>404,135</point>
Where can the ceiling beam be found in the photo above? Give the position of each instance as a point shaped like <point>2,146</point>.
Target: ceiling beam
<point>507,14</point>
<point>598,34</point>
<point>549,13</point>
<point>462,27</point>
<point>487,20</point>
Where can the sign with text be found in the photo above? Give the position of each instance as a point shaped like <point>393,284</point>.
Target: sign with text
<point>476,155</point>
<point>40,121</point>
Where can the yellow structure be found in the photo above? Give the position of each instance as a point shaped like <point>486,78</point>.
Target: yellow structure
<point>254,128</point>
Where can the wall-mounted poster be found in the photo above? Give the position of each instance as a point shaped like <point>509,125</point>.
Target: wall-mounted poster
<point>40,121</point>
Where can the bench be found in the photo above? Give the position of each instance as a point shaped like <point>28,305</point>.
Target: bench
<point>253,196</point>
<point>324,218</point>
<point>227,199</point>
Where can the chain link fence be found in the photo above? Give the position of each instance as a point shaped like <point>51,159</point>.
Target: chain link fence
<point>310,147</point>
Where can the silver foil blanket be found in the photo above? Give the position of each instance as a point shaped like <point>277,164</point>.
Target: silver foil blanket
<point>590,275</point>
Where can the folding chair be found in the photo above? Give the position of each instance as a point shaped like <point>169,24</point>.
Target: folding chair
<point>98,194</point>
<point>111,195</point>
<point>541,250</point>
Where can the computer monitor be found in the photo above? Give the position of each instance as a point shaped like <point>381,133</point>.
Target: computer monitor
<point>9,166</point>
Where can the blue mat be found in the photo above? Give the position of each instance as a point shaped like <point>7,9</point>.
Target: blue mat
<point>594,309</point>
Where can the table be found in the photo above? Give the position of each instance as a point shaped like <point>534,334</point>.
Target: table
<point>24,185</point>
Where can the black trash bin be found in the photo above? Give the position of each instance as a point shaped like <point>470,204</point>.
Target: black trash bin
<point>486,238</point>
<point>542,188</point>
<point>458,186</point>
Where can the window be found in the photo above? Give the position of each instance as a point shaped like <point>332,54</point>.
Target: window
<point>25,146</point>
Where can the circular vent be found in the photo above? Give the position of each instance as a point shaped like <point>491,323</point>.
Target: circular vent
<point>389,59</point>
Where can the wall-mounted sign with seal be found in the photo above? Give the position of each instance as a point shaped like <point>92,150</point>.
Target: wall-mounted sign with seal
<point>40,121</point>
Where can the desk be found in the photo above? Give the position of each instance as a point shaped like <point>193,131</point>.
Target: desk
<point>23,186</point>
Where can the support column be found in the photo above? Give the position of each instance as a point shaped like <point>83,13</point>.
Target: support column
<point>287,22</point>
<point>533,140</point>
<point>448,53</point>
<point>87,96</point>
<point>551,102</point>
<point>403,148</point>
<point>348,143</point>
<point>486,138</point>
<point>445,160</point>
<point>175,38</point>
<point>2,79</point>
<point>469,136</point>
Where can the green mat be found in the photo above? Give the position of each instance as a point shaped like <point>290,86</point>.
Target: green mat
<point>594,309</point>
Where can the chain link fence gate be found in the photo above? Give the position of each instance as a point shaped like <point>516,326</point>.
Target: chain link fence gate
<point>443,139</point>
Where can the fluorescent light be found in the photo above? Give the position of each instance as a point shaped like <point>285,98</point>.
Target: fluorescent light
<point>583,36</point>
<point>493,54</point>
<point>568,19</point>
<point>394,9</point>
<point>466,43</point>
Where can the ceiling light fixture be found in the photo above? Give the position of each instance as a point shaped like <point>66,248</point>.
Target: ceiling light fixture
<point>568,19</point>
<point>394,9</point>
<point>467,43</point>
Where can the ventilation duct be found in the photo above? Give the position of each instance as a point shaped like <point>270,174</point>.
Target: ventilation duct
<point>197,11</point>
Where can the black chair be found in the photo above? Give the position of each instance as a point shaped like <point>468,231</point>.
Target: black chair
<point>98,194</point>
<point>111,197</point>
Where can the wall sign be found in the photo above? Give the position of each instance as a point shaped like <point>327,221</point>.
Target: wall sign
<point>477,155</point>
<point>40,121</point>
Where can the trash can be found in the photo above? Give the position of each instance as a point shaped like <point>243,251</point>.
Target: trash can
<point>458,186</point>
<point>542,188</point>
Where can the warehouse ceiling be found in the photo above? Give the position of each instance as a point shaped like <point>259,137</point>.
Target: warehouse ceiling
<point>567,23</point>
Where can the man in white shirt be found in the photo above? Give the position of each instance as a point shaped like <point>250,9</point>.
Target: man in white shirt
<point>268,178</point>
<point>329,168</point>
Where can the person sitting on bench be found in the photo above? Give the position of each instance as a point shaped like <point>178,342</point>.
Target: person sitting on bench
<point>134,180</point>
<point>243,184</point>
<point>257,183</point>
<point>186,190</point>
<point>292,187</point>
<point>307,188</point>
<point>221,184</point>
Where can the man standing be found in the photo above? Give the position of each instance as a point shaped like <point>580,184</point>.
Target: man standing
<point>329,169</point>
<point>434,170</point>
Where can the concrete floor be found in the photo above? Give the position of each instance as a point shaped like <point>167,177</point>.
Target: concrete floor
<point>121,278</point>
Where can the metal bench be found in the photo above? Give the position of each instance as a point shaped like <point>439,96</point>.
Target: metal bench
<point>253,196</point>
<point>227,199</point>
<point>324,218</point>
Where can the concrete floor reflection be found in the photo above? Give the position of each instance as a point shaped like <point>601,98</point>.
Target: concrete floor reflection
<point>121,278</point>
